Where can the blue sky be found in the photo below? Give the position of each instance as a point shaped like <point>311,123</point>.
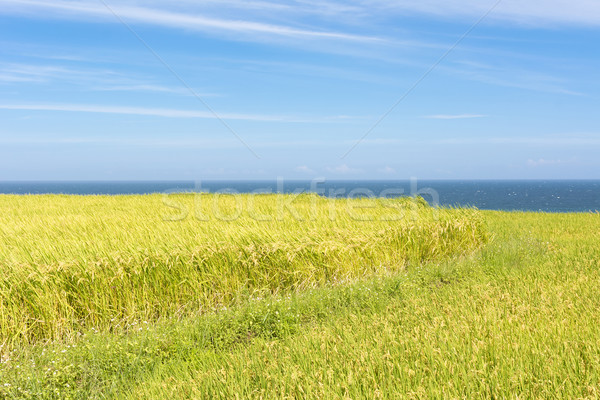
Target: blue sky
<point>361,89</point>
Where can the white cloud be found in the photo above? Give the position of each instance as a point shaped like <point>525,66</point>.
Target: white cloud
<point>177,141</point>
<point>48,73</point>
<point>543,162</point>
<point>304,169</point>
<point>533,12</point>
<point>165,17</point>
<point>13,77</point>
<point>506,75</point>
<point>552,140</point>
<point>91,78</point>
<point>38,73</point>
<point>152,88</point>
<point>457,116</point>
<point>343,169</point>
<point>387,170</point>
<point>154,112</point>
<point>186,13</point>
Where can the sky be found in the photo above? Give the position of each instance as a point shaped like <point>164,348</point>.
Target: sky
<point>260,89</point>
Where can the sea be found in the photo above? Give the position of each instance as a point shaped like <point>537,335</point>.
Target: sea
<point>559,196</point>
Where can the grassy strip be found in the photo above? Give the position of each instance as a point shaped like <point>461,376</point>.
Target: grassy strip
<point>519,320</point>
<point>69,263</point>
<point>101,364</point>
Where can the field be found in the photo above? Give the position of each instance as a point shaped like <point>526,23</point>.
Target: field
<point>281,297</point>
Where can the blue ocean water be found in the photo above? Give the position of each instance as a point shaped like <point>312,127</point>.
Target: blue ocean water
<point>530,195</point>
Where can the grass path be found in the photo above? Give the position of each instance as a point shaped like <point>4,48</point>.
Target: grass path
<point>519,319</point>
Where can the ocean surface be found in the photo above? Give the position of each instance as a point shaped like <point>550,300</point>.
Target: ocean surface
<point>530,195</point>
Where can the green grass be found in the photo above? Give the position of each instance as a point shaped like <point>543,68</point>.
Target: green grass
<point>517,318</point>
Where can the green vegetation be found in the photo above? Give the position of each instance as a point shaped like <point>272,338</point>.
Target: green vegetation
<point>515,316</point>
<point>70,263</point>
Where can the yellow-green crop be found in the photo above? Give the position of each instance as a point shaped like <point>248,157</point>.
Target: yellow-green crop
<point>70,263</point>
<point>517,318</point>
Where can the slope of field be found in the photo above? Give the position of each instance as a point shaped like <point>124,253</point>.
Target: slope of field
<point>71,263</point>
<point>516,318</point>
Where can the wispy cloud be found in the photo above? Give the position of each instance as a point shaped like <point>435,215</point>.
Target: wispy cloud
<point>178,20</point>
<point>543,162</point>
<point>12,77</point>
<point>152,88</point>
<point>163,112</point>
<point>304,169</point>
<point>318,7</point>
<point>511,76</point>
<point>533,12</point>
<point>96,79</point>
<point>455,116</point>
<point>189,142</point>
<point>21,72</point>
<point>344,169</point>
<point>387,170</point>
<point>33,73</point>
<point>553,140</point>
